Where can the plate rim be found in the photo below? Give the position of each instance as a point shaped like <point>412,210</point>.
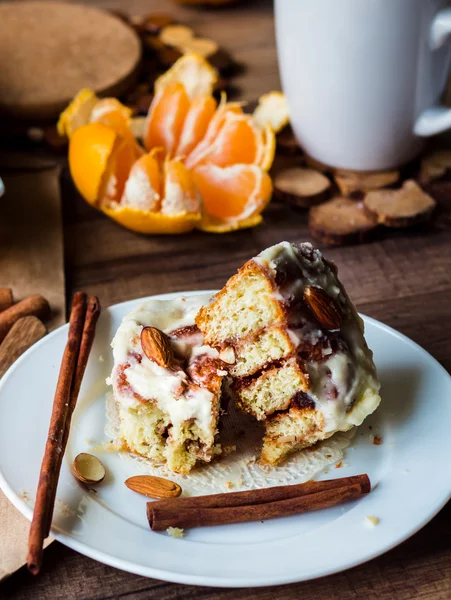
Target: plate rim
<point>209,580</point>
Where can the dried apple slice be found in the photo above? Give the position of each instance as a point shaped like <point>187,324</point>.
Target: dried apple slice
<point>340,221</point>
<point>356,183</point>
<point>400,208</point>
<point>301,187</point>
<point>435,165</point>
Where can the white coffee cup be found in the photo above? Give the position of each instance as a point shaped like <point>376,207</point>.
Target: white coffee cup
<point>363,78</point>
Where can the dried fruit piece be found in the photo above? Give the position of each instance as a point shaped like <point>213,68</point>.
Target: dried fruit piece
<point>156,346</point>
<point>175,35</point>
<point>354,183</point>
<point>87,468</point>
<point>272,110</point>
<point>435,165</point>
<point>340,221</point>
<point>202,46</point>
<point>324,307</point>
<point>400,208</point>
<point>153,487</point>
<point>301,187</point>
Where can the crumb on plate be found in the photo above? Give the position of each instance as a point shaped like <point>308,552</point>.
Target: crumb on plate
<point>175,532</point>
<point>372,520</point>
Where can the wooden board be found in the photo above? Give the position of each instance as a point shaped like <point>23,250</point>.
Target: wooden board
<point>55,49</point>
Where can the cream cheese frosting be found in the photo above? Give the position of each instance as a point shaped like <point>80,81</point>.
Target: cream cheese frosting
<point>136,379</point>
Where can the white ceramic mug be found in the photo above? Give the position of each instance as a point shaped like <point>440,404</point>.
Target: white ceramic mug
<point>363,78</point>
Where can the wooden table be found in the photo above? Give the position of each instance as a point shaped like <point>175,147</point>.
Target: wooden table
<point>403,280</point>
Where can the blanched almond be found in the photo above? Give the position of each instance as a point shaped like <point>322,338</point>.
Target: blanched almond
<point>87,468</point>
<point>227,355</point>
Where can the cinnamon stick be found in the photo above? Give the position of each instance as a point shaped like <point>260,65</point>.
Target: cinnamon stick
<point>6,298</point>
<point>23,334</point>
<point>254,505</point>
<point>35,305</point>
<point>81,333</point>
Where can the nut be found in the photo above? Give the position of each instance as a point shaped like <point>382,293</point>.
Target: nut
<point>87,468</point>
<point>227,355</point>
<point>325,309</point>
<point>156,346</point>
<point>153,487</point>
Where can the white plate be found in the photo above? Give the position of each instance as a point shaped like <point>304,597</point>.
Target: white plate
<point>410,472</point>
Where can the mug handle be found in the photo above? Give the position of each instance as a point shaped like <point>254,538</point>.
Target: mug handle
<point>437,118</point>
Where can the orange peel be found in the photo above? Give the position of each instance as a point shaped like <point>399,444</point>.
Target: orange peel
<point>272,111</point>
<point>151,222</point>
<point>193,72</point>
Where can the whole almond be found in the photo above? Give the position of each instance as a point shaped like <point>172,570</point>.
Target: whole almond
<point>153,487</point>
<point>156,346</point>
<point>325,309</point>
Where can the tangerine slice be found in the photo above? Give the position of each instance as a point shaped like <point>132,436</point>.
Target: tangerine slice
<point>194,72</point>
<point>166,117</point>
<point>213,129</point>
<point>143,186</point>
<point>180,193</point>
<point>232,194</point>
<point>196,124</point>
<point>119,166</point>
<point>239,141</point>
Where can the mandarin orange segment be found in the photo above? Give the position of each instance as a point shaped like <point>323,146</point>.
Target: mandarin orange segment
<point>166,117</point>
<point>238,141</point>
<point>143,186</point>
<point>120,165</point>
<point>180,194</point>
<point>233,193</point>
<point>196,124</point>
<point>212,132</point>
<point>90,150</point>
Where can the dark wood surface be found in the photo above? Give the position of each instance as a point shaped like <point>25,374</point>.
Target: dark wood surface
<point>401,279</point>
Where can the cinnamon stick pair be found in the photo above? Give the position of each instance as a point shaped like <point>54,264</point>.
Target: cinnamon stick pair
<point>255,505</point>
<point>83,319</point>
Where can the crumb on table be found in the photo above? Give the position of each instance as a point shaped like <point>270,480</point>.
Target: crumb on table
<point>175,532</point>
